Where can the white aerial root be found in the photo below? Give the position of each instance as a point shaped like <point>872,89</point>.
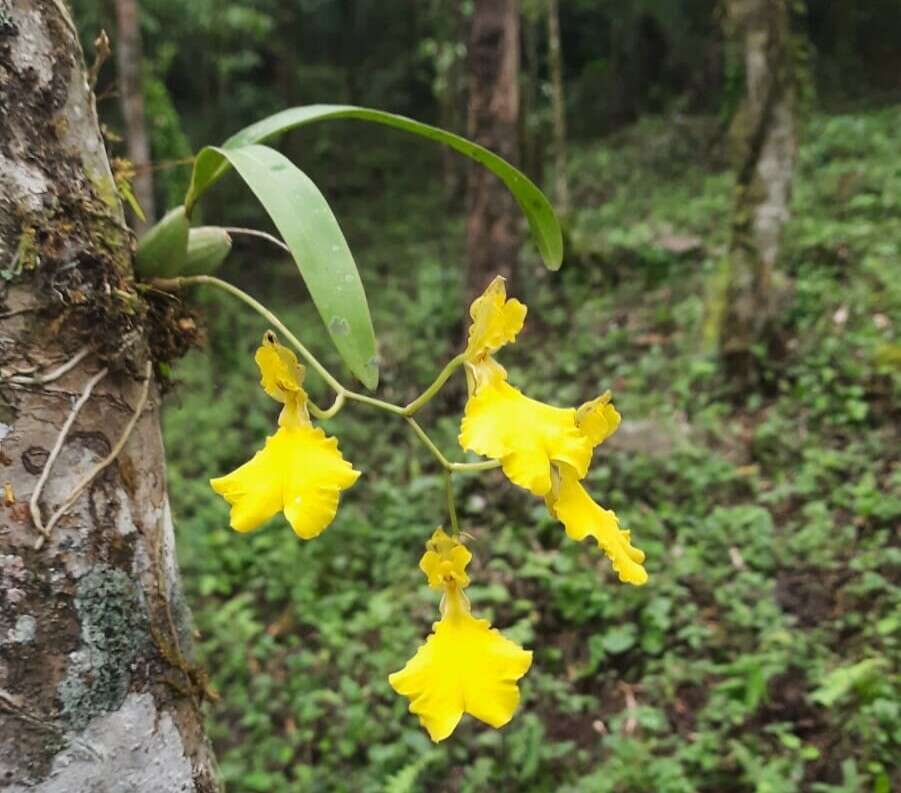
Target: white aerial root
<point>97,469</point>
<point>53,374</point>
<point>57,447</point>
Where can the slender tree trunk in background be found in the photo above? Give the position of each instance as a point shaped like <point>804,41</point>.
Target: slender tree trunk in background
<point>764,139</point>
<point>287,69</point>
<point>95,692</point>
<point>529,119</point>
<point>449,170</point>
<point>129,65</point>
<point>558,107</point>
<point>451,100</point>
<point>348,48</point>
<point>492,238</point>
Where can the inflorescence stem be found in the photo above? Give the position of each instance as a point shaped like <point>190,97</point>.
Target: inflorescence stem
<point>451,505</point>
<point>233,230</point>
<point>434,388</point>
<point>343,394</point>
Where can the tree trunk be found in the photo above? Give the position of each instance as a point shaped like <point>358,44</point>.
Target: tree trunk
<point>492,238</point>
<point>530,119</point>
<point>764,139</point>
<point>96,693</point>
<point>450,78</point>
<point>129,64</point>
<point>558,107</point>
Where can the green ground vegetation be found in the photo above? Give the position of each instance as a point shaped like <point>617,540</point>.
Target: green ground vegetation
<point>762,655</point>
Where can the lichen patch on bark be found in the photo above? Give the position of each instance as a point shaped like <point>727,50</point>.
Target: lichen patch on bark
<point>111,613</point>
<point>24,630</point>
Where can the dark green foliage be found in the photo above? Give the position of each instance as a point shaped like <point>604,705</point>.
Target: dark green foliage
<point>170,147</point>
<point>761,656</point>
<point>222,64</point>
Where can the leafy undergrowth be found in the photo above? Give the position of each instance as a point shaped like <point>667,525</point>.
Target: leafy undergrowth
<point>763,653</point>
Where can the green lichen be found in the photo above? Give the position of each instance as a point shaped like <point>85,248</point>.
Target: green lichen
<point>105,187</point>
<point>25,257</point>
<point>8,412</point>
<point>7,26</point>
<point>114,632</point>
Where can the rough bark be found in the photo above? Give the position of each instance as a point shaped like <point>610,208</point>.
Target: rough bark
<point>558,106</point>
<point>764,139</point>
<point>492,236</point>
<point>96,691</point>
<point>129,62</point>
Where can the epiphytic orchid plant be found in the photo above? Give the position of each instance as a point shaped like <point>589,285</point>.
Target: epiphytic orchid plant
<point>465,665</point>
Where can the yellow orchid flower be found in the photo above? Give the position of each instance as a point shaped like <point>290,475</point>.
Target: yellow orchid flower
<point>527,436</point>
<point>465,665</point>
<point>598,419</point>
<point>582,517</point>
<point>444,561</point>
<point>541,448</point>
<point>496,321</point>
<point>281,377</point>
<point>299,471</point>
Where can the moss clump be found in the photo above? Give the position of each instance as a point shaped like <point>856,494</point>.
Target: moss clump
<point>114,632</point>
<point>7,26</point>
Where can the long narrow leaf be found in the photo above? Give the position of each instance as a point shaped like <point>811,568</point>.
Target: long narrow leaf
<point>306,223</point>
<point>538,210</point>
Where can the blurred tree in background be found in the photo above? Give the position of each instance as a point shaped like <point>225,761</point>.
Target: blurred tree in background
<point>222,63</point>
<point>764,143</point>
<point>492,239</point>
<point>129,65</point>
<point>763,655</point>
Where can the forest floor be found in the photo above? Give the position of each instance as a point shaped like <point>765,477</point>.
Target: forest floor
<point>763,653</point>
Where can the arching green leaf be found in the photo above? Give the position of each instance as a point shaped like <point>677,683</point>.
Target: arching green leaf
<point>306,223</point>
<point>538,210</point>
